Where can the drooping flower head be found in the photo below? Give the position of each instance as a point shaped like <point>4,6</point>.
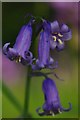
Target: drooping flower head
<point>60,34</point>
<point>44,59</point>
<point>20,51</point>
<point>52,103</point>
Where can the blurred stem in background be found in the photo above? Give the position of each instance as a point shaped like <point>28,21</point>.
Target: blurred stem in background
<point>27,94</point>
<point>11,97</point>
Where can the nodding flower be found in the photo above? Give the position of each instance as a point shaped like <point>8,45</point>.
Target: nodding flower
<point>44,59</point>
<point>20,51</point>
<point>52,105</point>
<point>60,34</point>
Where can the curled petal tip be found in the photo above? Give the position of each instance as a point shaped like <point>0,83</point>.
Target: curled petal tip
<point>27,58</point>
<point>28,54</point>
<point>40,113</point>
<point>5,48</point>
<point>67,109</point>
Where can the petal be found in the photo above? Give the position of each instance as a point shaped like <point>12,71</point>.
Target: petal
<point>46,26</point>
<point>35,67</point>
<point>44,47</point>
<point>28,55</point>
<point>51,61</point>
<point>5,48</point>
<point>23,41</point>
<point>27,58</point>
<point>60,46</point>
<point>67,109</point>
<point>32,20</point>
<point>64,28</point>
<point>52,101</point>
<point>12,54</point>
<point>55,27</point>
<point>50,90</point>
<point>24,62</point>
<point>39,64</point>
<point>19,37</point>
<point>35,64</point>
<point>40,113</point>
<point>67,36</point>
<point>46,107</point>
<point>53,66</point>
<point>53,44</point>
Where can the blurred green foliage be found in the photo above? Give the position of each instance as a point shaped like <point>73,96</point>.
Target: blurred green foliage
<point>13,18</point>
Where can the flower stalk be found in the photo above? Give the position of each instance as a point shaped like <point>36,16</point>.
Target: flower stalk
<point>27,94</point>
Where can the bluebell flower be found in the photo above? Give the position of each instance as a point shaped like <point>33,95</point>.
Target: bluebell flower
<point>20,51</point>
<point>52,105</point>
<point>44,58</point>
<point>60,34</point>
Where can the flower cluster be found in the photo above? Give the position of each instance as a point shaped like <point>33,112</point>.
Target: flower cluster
<point>51,36</point>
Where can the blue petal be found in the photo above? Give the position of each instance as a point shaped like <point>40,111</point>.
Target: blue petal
<point>46,26</point>
<point>53,66</point>
<point>52,101</point>
<point>40,64</point>
<point>35,67</point>
<point>49,87</point>
<point>46,107</point>
<point>55,27</point>
<point>60,46</point>
<point>27,59</point>
<point>5,48</point>
<point>19,37</point>
<point>67,109</point>
<point>64,28</point>
<point>9,52</point>
<point>44,48</point>
<point>28,55</point>
<point>12,54</point>
<point>40,113</point>
<point>67,36</point>
<point>53,44</point>
<point>23,41</point>
<point>50,90</point>
<point>51,61</point>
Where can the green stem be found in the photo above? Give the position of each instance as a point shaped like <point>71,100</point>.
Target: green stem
<point>11,97</point>
<point>27,94</point>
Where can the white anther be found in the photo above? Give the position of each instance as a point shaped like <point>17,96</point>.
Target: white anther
<point>19,58</point>
<point>54,37</point>
<point>60,35</point>
<point>59,111</point>
<point>51,112</point>
<point>60,41</point>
